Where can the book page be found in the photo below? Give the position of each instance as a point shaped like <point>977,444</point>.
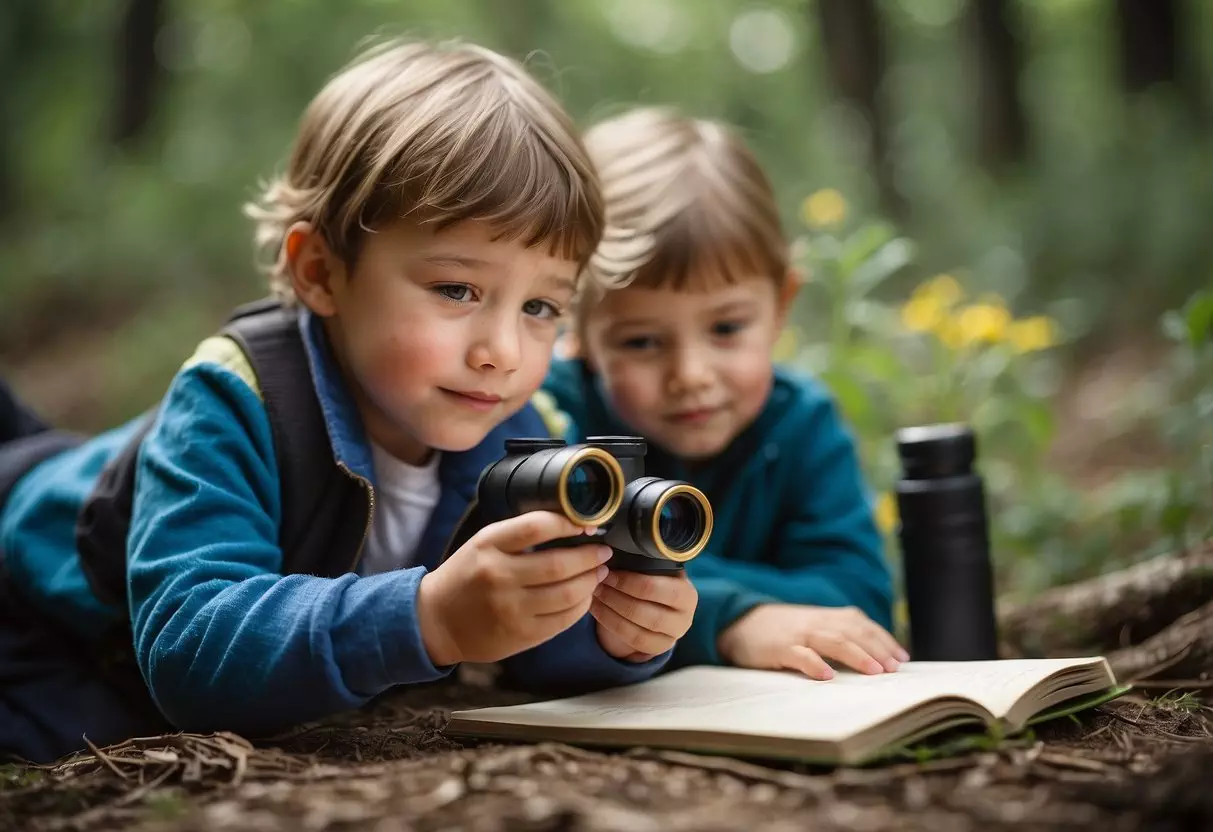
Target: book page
<point>779,704</point>
<point>998,685</point>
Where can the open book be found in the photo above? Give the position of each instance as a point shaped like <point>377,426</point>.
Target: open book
<point>850,719</point>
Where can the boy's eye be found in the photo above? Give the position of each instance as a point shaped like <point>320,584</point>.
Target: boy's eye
<point>456,292</point>
<point>638,342</point>
<point>541,309</point>
<point>726,328</point>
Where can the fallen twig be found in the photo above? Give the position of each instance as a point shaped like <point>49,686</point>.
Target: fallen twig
<point>105,761</point>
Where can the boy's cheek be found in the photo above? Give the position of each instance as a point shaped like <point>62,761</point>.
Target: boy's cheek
<point>638,399</point>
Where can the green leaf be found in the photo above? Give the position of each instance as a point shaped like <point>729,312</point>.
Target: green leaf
<point>1036,418</point>
<point>861,245</point>
<point>1198,315</point>
<point>891,258</point>
<point>852,398</point>
<point>1175,518</point>
<point>879,362</point>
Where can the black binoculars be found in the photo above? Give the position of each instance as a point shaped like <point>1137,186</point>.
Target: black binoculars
<point>652,524</point>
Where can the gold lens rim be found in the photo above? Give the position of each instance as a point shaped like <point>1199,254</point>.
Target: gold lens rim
<point>617,485</point>
<point>708,521</point>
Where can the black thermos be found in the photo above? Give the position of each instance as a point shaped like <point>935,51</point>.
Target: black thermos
<point>945,545</point>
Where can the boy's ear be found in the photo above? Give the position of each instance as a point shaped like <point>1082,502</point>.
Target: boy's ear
<point>792,281</point>
<point>313,268</point>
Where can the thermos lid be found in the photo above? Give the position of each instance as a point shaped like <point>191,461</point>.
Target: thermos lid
<point>934,451</point>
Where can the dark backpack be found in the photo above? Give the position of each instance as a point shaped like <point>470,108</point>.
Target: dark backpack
<point>325,510</point>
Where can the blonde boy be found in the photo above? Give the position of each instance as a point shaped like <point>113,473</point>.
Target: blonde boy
<point>680,352</point>
<point>427,234</point>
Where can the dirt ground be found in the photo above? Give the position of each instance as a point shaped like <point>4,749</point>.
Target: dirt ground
<point>1141,762</point>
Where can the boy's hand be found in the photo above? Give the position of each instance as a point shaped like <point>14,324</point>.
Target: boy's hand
<point>493,598</point>
<point>641,616</point>
<point>798,637</point>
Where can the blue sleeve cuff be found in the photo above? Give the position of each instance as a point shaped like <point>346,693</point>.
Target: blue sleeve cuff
<point>574,662</point>
<point>721,602</point>
<point>377,638</point>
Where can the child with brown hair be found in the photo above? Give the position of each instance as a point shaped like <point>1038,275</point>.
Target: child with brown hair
<point>262,549</point>
<point>673,341</point>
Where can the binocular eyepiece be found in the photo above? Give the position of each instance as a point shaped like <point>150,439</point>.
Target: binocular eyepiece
<point>652,524</point>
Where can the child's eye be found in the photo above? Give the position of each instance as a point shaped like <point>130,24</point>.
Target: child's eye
<point>541,309</point>
<point>639,342</point>
<point>454,292</point>
<point>727,328</point>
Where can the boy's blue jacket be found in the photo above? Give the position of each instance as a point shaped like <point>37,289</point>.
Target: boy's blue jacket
<point>222,639</point>
<point>793,521</point>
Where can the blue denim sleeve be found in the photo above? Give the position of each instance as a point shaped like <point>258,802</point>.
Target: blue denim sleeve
<point>223,639</point>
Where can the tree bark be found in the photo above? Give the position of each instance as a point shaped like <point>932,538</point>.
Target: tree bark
<point>1148,33</point>
<point>1002,126</point>
<point>1110,612</point>
<point>854,48</point>
<point>1184,650</point>
<point>139,72</point>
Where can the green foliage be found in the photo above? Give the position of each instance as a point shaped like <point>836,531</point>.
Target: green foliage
<point>15,776</point>
<point>944,355</point>
<point>1175,701</point>
<point>1115,188</point>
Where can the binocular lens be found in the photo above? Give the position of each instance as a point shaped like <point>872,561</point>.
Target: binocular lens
<point>681,522</point>
<point>589,487</point>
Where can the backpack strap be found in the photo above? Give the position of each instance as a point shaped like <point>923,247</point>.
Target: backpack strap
<point>316,496</point>
<point>269,336</point>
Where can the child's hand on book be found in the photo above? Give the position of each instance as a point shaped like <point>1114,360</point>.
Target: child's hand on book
<point>641,616</point>
<point>494,597</point>
<point>800,637</point>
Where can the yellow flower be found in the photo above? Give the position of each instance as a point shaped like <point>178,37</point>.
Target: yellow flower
<point>983,322</point>
<point>922,313</point>
<point>943,289</point>
<point>947,289</point>
<point>824,209</point>
<point>950,334</point>
<point>886,513</point>
<point>901,618</point>
<point>787,345</point>
<point>1031,334</point>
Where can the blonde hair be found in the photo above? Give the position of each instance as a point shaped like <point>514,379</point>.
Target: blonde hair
<point>685,198</point>
<point>442,132</point>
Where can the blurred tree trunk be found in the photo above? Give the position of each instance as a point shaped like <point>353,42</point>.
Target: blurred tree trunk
<point>1150,618</point>
<point>1153,52</point>
<point>854,47</point>
<point>25,35</point>
<point>139,73</point>
<point>1002,126</point>
<point>1148,31</point>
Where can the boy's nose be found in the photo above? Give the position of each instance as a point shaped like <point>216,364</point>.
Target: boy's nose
<point>691,370</point>
<point>495,347</point>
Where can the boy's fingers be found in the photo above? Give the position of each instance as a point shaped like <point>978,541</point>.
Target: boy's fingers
<point>875,648</point>
<point>647,615</point>
<point>552,566</point>
<point>558,597</point>
<point>890,653</point>
<point>673,591</point>
<point>638,638</point>
<point>844,649</point>
<point>558,622</point>
<point>517,534</point>
<point>807,661</point>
